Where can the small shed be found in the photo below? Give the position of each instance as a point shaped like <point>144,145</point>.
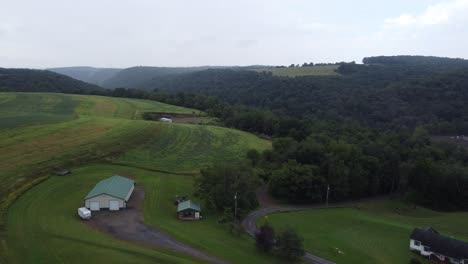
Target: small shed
<point>112,193</point>
<point>188,210</point>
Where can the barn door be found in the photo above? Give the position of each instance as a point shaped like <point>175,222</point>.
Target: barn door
<point>114,205</point>
<point>94,206</point>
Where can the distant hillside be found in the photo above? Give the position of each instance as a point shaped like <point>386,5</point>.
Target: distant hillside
<point>26,80</point>
<point>135,77</point>
<point>88,74</point>
<point>416,60</point>
<point>391,95</point>
<point>144,76</point>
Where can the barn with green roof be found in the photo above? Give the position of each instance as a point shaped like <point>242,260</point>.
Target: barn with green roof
<point>112,193</point>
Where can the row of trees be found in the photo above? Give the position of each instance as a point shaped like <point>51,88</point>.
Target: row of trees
<point>223,185</point>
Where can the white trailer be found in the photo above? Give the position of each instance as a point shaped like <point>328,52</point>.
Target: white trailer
<point>84,213</point>
<point>165,119</point>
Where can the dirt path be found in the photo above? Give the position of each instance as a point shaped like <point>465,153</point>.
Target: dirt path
<point>128,224</point>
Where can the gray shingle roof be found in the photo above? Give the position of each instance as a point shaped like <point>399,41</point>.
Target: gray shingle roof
<point>447,246</point>
<point>116,186</point>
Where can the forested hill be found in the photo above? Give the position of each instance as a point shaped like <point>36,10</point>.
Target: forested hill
<point>384,95</point>
<point>88,74</point>
<point>26,80</point>
<point>416,60</point>
<point>135,77</point>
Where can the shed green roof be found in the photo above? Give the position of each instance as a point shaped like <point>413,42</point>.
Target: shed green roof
<point>185,205</point>
<point>116,186</point>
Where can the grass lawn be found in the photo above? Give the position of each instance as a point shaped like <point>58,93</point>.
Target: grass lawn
<point>44,219</point>
<point>375,232</point>
<point>43,227</point>
<point>303,71</point>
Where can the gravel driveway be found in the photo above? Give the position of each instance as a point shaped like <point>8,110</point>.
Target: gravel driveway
<point>128,224</point>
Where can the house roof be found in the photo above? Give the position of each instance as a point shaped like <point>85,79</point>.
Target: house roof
<point>185,205</point>
<point>116,186</point>
<point>440,244</point>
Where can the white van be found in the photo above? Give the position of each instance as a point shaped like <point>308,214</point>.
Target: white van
<point>84,213</point>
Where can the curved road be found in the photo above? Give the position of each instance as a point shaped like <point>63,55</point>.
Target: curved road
<point>250,226</point>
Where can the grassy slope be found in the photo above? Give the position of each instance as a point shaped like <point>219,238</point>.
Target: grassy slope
<point>186,148</point>
<point>46,131</point>
<point>376,232</point>
<point>107,125</point>
<point>303,71</point>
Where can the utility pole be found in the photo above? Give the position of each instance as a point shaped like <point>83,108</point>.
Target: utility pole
<point>235,206</point>
<point>328,190</point>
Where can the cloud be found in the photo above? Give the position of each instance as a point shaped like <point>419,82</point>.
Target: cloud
<point>433,15</point>
<point>440,29</point>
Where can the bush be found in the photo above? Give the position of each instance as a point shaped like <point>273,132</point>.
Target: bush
<point>289,245</point>
<point>265,238</point>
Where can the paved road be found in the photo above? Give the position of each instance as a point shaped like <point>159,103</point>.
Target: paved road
<point>128,224</point>
<point>250,226</point>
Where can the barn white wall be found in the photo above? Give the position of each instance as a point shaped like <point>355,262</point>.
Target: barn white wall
<point>103,200</point>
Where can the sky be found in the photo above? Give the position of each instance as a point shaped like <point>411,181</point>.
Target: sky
<point>125,33</point>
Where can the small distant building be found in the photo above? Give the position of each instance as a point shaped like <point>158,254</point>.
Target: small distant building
<point>112,193</point>
<point>165,119</point>
<point>188,210</point>
<point>429,243</point>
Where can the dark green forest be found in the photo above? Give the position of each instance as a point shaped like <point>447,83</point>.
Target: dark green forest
<point>27,80</point>
<point>365,132</point>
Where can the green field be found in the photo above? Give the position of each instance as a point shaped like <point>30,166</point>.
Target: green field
<point>325,70</point>
<point>42,131</point>
<point>42,226</point>
<point>376,232</point>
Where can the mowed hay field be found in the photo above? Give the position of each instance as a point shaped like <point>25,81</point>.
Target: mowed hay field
<point>375,232</point>
<point>183,148</point>
<point>42,226</point>
<point>324,70</point>
<point>41,131</point>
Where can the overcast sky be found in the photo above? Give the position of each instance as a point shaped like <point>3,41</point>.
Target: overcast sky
<point>123,33</point>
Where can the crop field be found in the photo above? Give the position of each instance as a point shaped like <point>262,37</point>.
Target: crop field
<point>102,130</point>
<point>325,70</point>
<point>376,232</point>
